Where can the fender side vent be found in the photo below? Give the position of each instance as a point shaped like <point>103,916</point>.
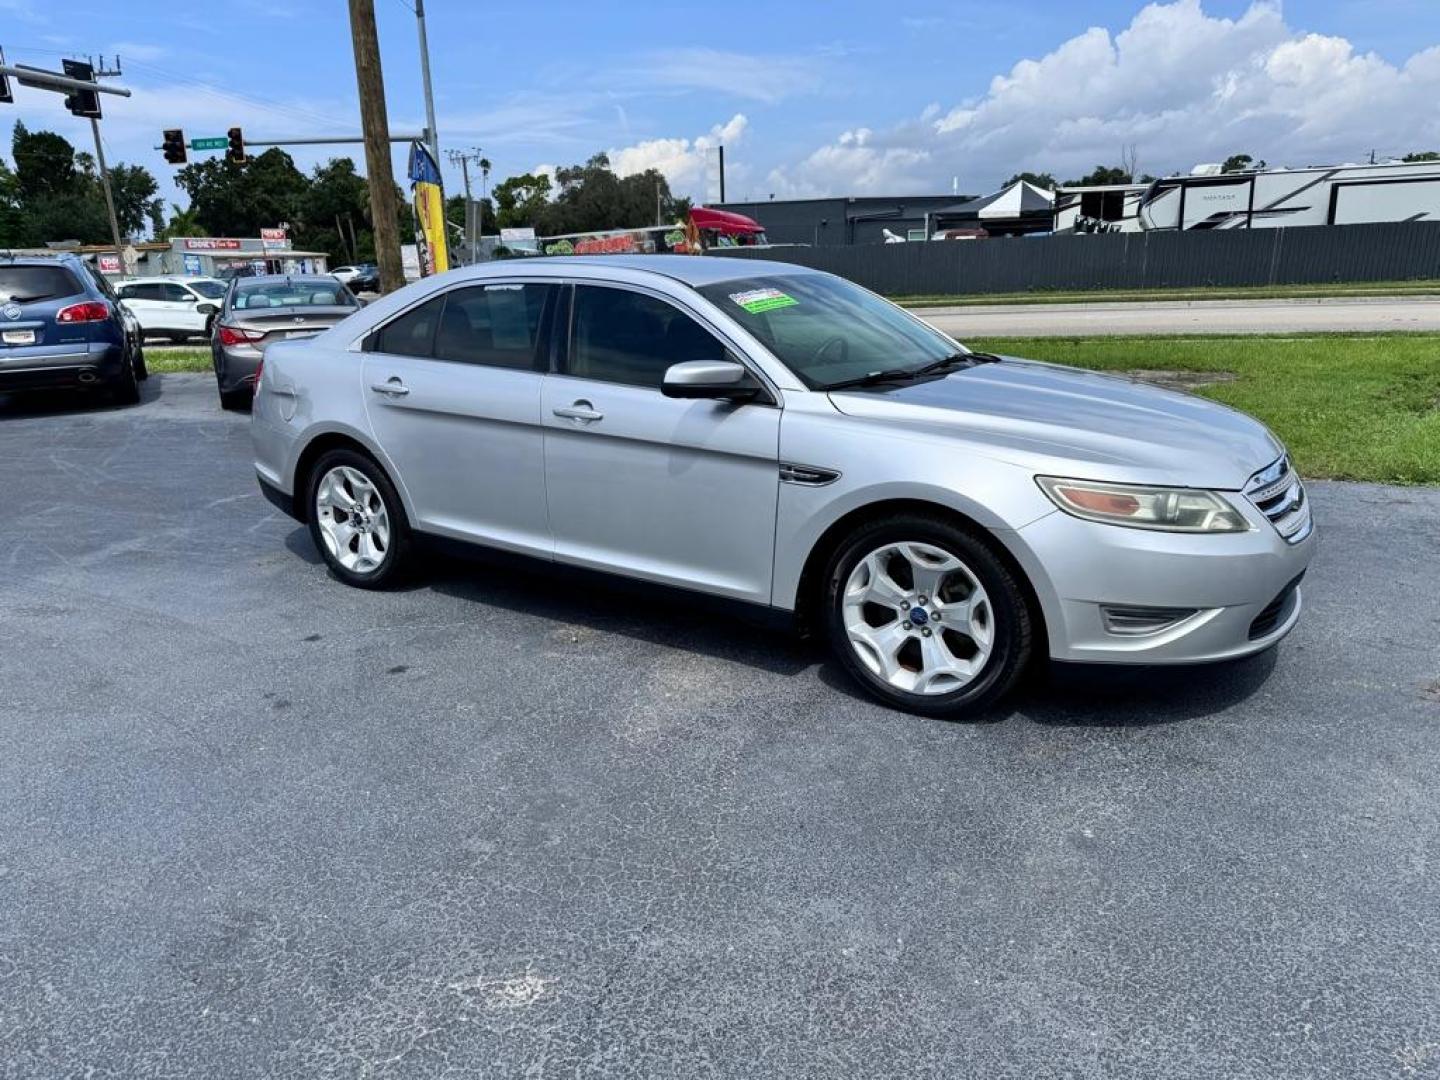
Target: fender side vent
<point>810,475</point>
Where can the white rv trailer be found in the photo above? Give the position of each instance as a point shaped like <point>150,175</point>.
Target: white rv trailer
<point>1328,195</point>
<point>1100,208</point>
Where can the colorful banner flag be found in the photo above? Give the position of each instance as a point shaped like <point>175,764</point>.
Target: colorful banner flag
<point>429,199</point>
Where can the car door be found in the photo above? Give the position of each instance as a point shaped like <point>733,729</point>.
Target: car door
<point>452,389</point>
<point>180,304</point>
<point>143,300</point>
<point>671,490</point>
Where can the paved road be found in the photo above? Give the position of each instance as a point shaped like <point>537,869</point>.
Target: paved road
<point>1189,317</point>
<point>254,823</point>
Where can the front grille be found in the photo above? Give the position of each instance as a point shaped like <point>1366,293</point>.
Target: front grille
<point>1277,493</point>
<point>1273,612</point>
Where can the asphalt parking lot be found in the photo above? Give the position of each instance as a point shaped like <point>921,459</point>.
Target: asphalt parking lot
<point>255,823</point>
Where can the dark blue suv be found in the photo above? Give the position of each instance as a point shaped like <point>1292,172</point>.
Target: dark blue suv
<point>61,325</point>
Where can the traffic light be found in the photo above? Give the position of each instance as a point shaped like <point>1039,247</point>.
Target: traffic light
<point>173,145</point>
<point>236,152</point>
<point>82,102</point>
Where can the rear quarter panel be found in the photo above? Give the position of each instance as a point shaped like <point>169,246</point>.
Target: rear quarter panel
<point>308,391</point>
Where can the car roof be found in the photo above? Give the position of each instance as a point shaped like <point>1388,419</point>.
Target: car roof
<point>692,270</point>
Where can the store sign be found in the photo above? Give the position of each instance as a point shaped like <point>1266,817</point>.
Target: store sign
<point>109,264</point>
<point>272,235</point>
<point>212,244</point>
<point>192,265</point>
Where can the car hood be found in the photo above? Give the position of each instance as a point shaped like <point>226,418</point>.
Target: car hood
<point>1077,423</point>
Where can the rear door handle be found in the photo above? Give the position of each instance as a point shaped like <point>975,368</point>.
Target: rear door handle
<point>582,412</point>
<point>392,388</point>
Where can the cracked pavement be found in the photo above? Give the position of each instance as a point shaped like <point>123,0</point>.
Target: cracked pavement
<point>502,823</point>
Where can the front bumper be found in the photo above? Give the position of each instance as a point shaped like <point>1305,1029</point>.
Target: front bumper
<point>1241,589</point>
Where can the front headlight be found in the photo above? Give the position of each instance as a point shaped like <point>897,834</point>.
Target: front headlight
<point>1167,509</point>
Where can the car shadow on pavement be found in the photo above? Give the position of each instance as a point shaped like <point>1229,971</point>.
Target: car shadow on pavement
<point>1109,695</point>
<point>1076,695</point>
<point>41,403</point>
<point>601,602</point>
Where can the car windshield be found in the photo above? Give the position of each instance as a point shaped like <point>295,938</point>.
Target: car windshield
<point>28,284</point>
<point>298,292</point>
<point>211,290</point>
<point>826,329</point>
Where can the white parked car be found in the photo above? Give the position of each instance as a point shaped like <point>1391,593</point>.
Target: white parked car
<point>175,307</point>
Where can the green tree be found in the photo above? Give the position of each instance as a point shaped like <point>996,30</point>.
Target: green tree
<point>181,223</point>
<point>10,210</point>
<point>240,199</point>
<point>1039,179</point>
<point>44,163</point>
<point>1422,155</point>
<point>592,198</point>
<point>334,212</point>
<point>1101,175</point>
<point>520,200</point>
<point>1241,163</point>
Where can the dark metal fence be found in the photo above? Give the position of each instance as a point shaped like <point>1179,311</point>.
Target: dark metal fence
<point>1390,251</point>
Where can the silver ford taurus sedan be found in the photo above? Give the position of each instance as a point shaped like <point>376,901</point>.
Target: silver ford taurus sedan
<point>778,436</point>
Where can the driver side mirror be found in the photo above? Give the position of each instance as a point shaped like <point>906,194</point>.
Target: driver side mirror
<point>725,380</point>
<point>206,309</point>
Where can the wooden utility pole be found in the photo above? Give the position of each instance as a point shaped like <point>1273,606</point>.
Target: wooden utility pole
<point>375,124</point>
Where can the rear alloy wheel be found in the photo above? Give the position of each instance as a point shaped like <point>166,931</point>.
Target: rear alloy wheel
<point>356,520</point>
<point>925,617</point>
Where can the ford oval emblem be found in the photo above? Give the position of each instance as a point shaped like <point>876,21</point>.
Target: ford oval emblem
<point>12,310</point>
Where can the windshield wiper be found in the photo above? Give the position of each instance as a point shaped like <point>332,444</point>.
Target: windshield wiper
<point>935,367</point>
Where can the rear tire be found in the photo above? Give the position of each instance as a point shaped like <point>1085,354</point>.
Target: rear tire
<point>141,371</point>
<point>236,400</point>
<point>921,612</point>
<point>356,520</point>
<point>125,390</point>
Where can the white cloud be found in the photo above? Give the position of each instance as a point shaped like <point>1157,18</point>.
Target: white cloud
<point>1179,85</point>
<point>764,78</point>
<point>689,165</point>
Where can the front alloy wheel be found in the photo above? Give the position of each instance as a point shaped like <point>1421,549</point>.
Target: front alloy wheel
<point>926,617</point>
<point>356,519</point>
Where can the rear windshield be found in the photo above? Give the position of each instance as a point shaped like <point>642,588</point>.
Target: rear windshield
<point>298,293</point>
<point>212,290</point>
<point>29,284</point>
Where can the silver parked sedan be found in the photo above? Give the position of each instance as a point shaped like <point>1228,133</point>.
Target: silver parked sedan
<point>782,437</point>
<point>259,311</point>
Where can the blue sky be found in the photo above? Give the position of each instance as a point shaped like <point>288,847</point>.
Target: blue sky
<point>810,98</point>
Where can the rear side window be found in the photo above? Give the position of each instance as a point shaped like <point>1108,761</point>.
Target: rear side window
<point>492,325</point>
<point>30,284</point>
<point>412,334</point>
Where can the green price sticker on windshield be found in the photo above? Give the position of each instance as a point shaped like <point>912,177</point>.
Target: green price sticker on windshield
<point>758,300</point>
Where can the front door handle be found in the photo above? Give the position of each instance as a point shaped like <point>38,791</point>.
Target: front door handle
<point>391,388</point>
<point>582,412</point>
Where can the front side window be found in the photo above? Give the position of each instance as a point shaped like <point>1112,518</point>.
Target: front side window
<point>492,325</point>
<point>177,294</point>
<point>412,334</point>
<point>627,337</point>
<point>826,329</point>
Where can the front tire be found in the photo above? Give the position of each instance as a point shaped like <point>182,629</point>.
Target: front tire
<point>925,617</point>
<point>357,521</point>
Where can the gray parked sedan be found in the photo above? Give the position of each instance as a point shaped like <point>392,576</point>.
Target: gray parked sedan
<point>259,311</point>
<point>778,436</point>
